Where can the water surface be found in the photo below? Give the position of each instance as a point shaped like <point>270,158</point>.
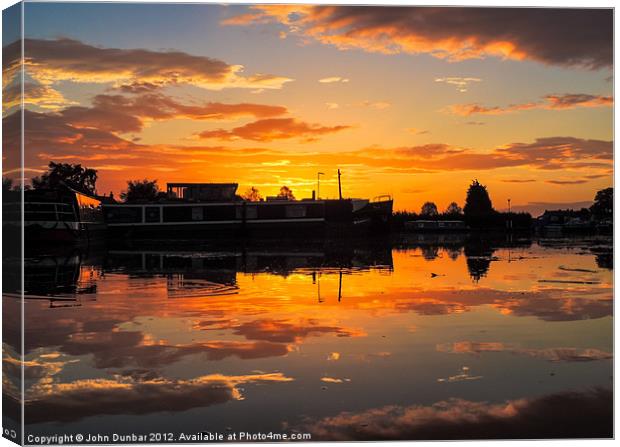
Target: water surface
<point>416,339</point>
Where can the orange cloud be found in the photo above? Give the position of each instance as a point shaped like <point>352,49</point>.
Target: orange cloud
<point>285,331</point>
<point>273,129</point>
<point>544,35</point>
<point>334,380</point>
<point>94,136</point>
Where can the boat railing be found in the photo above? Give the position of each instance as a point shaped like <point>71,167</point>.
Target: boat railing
<point>54,211</point>
<point>381,198</point>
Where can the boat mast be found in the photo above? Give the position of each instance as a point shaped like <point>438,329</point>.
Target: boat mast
<point>339,186</point>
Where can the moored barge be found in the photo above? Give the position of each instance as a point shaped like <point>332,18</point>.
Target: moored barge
<point>211,209</point>
<point>53,215</point>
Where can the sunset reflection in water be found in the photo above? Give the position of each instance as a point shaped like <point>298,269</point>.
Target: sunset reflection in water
<point>406,340</point>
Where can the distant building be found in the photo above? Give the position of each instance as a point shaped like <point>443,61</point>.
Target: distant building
<point>564,220</point>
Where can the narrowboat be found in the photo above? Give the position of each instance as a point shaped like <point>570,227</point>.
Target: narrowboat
<point>62,214</point>
<point>212,209</point>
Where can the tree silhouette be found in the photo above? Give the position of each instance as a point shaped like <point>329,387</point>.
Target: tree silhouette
<point>286,193</point>
<point>605,260</point>
<point>142,191</point>
<point>67,174</point>
<point>7,184</point>
<point>430,252</point>
<point>478,203</point>
<point>603,203</point>
<point>453,210</point>
<point>429,209</point>
<point>478,256</point>
<point>252,195</point>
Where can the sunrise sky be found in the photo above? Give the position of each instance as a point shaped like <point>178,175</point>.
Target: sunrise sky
<point>413,102</point>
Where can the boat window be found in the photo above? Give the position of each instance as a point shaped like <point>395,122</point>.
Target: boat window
<point>177,214</point>
<point>151,214</point>
<point>314,210</point>
<point>293,211</point>
<point>197,213</point>
<point>250,211</point>
<point>123,214</point>
<point>221,212</point>
<point>272,211</point>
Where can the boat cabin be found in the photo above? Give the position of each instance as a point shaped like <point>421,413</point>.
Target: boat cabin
<point>202,192</point>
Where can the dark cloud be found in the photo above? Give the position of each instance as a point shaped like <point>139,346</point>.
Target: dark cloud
<point>138,87</point>
<point>564,37</point>
<point>570,101</point>
<point>571,414</point>
<point>118,113</point>
<point>67,402</point>
<point>552,153</point>
<point>51,61</point>
<point>122,349</point>
<point>111,348</point>
<point>286,331</point>
<point>550,102</point>
<point>567,182</point>
<point>43,131</point>
<point>51,136</point>
<point>550,354</point>
<point>557,149</point>
<point>518,180</point>
<point>595,176</point>
<point>547,304</point>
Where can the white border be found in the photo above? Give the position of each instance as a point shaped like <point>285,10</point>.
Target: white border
<point>503,3</point>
